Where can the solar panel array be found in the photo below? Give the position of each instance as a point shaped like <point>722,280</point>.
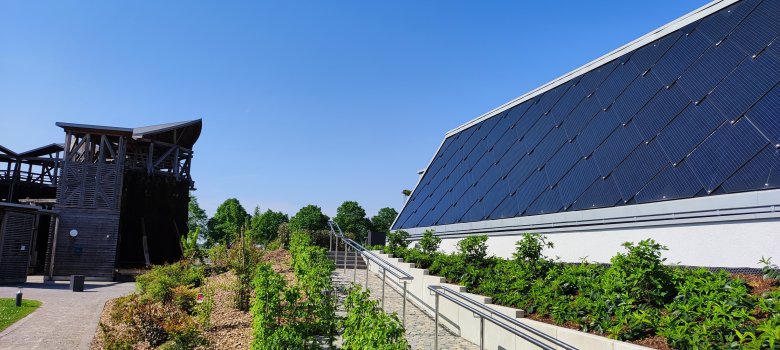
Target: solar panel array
<point>694,113</point>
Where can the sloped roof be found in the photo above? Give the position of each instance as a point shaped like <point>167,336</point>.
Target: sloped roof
<point>184,133</point>
<point>693,112</point>
<point>43,150</point>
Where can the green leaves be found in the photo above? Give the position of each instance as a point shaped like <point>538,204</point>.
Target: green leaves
<point>636,297</point>
<point>368,327</point>
<point>293,317</point>
<point>429,243</point>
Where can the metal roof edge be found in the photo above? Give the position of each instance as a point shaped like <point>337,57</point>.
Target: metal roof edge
<point>660,32</point>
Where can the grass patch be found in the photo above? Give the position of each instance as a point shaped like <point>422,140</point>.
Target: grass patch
<point>9,313</point>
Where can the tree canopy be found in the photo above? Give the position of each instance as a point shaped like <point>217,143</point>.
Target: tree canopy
<point>309,218</point>
<point>197,218</point>
<point>351,217</point>
<point>265,225</point>
<point>227,222</point>
<point>382,221</point>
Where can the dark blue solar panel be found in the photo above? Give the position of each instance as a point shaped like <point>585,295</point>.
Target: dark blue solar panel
<point>759,28</point>
<point>596,131</point>
<point>720,24</point>
<point>541,153</point>
<point>603,193</point>
<point>673,182</point>
<point>685,51</point>
<point>694,113</point>
<point>721,154</point>
<point>564,160</point>
<point>636,96</point>
<point>620,143</point>
<point>617,81</point>
<point>519,196</point>
<point>660,111</point>
<point>548,202</point>
<point>752,79</point>
<point>761,172</point>
<point>576,181</point>
<point>711,68</point>
<point>648,55</point>
<point>689,129</point>
<point>581,115</point>
<point>765,115</point>
<point>638,169</point>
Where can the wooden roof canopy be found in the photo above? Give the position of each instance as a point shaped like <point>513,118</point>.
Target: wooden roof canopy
<point>184,133</point>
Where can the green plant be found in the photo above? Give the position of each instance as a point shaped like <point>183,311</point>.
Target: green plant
<point>771,271</point>
<point>190,248</point>
<point>158,284</point>
<point>397,240</point>
<point>204,309</point>
<point>473,249</point>
<point>429,243</point>
<point>366,326</point>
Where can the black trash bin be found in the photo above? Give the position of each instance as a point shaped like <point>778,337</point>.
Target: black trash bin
<point>77,283</point>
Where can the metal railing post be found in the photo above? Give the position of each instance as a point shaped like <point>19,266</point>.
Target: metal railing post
<point>346,255</point>
<point>436,329</point>
<point>481,333</point>
<point>354,268</point>
<point>383,288</point>
<point>330,242</point>
<point>368,264</point>
<point>336,258</point>
<point>404,307</point>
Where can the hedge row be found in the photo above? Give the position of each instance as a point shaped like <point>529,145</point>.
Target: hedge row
<point>634,298</point>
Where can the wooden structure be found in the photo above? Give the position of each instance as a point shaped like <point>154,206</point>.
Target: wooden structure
<point>18,232</point>
<point>122,197</point>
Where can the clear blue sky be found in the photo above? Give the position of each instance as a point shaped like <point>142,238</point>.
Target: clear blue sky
<point>302,102</point>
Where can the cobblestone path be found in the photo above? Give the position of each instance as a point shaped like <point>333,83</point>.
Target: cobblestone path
<point>419,326</point>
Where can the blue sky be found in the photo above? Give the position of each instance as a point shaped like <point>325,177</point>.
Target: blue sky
<point>302,102</point>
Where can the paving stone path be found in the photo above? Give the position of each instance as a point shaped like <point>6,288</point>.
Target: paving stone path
<point>419,326</point>
<point>66,320</point>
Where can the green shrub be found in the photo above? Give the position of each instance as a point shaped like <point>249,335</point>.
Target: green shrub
<point>429,243</point>
<point>640,275</point>
<point>158,283</point>
<point>366,326</point>
<point>397,240</point>
<point>473,249</point>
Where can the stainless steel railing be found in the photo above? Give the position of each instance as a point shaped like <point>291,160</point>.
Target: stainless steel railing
<point>486,313</point>
<point>404,277</point>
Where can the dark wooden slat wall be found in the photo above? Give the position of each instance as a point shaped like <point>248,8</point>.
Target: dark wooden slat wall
<point>15,244</point>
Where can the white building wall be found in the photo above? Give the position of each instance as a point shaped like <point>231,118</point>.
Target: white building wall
<point>732,244</point>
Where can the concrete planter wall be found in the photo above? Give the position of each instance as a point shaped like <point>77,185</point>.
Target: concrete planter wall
<point>463,323</point>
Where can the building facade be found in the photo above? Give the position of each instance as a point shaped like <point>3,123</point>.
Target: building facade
<point>674,136</point>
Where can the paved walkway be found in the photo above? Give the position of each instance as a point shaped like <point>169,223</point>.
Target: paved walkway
<point>419,326</point>
<point>66,320</point>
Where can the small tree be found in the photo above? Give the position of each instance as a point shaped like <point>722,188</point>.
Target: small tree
<point>383,219</point>
<point>264,226</point>
<point>473,249</point>
<point>227,222</point>
<point>197,218</point>
<point>351,217</point>
<point>309,218</point>
<point>429,243</point>
<point>190,247</point>
<point>397,240</point>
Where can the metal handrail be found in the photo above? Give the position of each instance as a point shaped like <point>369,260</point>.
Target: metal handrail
<point>369,255</point>
<point>486,313</point>
<point>403,276</point>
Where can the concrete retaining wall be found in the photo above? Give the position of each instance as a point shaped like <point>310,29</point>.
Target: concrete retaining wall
<point>463,323</point>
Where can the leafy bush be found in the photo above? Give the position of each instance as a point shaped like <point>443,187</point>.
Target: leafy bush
<point>636,297</point>
<point>159,283</point>
<point>771,271</point>
<point>294,317</point>
<point>397,240</point>
<point>144,320</point>
<point>429,243</point>
<point>473,249</point>
<point>366,326</point>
